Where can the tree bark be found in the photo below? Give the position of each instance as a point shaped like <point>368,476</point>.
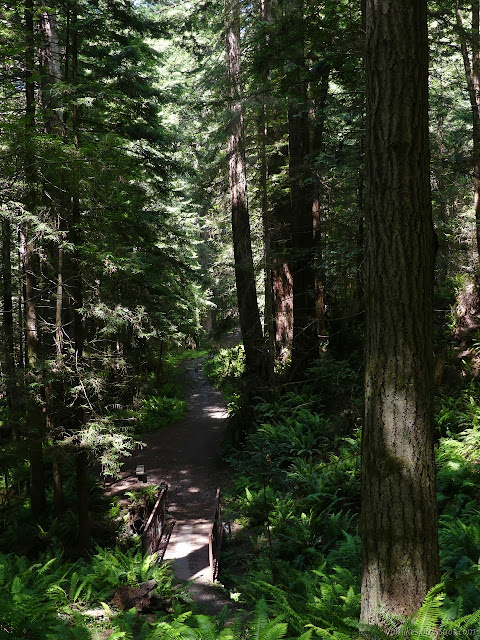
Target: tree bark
<point>35,417</point>
<point>8,338</point>
<point>283,302</point>
<point>58,496</point>
<point>472,74</point>
<point>305,341</point>
<point>399,515</point>
<point>58,204</point>
<point>84,532</point>
<point>281,244</point>
<point>21,296</point>
<point>77,295</point>
<point>269,320</point>
<point>250,324</point>
<point>319,95</point>
<point>51,72</point>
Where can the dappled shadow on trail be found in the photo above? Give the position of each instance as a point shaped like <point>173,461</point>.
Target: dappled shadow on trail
<point>186,456</point>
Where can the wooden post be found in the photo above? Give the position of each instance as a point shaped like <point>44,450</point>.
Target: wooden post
<point>140,473</point>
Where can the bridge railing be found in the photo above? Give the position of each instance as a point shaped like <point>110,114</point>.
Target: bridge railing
<point>158,529</point>
<point>215,537</point>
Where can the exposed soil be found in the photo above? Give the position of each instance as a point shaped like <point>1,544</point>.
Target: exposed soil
<point>186,456</point>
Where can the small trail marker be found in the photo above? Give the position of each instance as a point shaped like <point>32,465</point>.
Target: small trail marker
<point>140,473</point>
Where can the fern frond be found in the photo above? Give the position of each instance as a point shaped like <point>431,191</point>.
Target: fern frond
<point>307,635</point>
<point>274,631</point>
<point>471,621</point>
<point>428,618</point>
<point>207,627</point>
<point>260,619</point>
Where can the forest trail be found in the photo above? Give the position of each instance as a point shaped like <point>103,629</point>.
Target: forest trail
<point>186,455</point>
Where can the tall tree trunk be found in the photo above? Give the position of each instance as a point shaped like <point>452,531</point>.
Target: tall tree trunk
<point>319,95</point>
<point>51,72</point>
<point>400,560</point>
<point>269,320</point>
<point>59,308</point>
<point>281,241</point>
<point>8,339</point>
<point>35,414</point>
<point>75,232</point>
<point>77,295</point>
<point>54,126</point>
<point>360,228</point>
<point>305,341</point>
<point>58,496</point>
<point>472,74</point>
<point>281,244</point>
<point>35,417</point>
<point>21,296</point>
<point>250,324</point>
<point>283,300</point>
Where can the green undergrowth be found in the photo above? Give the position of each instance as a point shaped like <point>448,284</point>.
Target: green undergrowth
<point>50,598</point>
<point>225,369</point>
<point>22,534</point>
<point>291,558</point>
<point>163,397</point>
<point>174,358</point>
<point>161,410</point>
<point>296,498</point>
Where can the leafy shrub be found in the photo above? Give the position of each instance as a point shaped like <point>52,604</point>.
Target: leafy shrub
<point>460,543</point>
<point>297,482</point>
<point>458,471</point>
<point>30,593</point>
<point>227,363</point>
<point>110,568</point>
<point>159,412</point>
<point>224,370</point>
<point>458,410</point>
<point>433,619</point>
<point>335,384</point>
<point>325,599</point>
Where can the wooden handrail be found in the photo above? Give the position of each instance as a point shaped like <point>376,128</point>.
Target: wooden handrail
<point>157,531</point>
<point>215,537</point>
<point>155,508</point>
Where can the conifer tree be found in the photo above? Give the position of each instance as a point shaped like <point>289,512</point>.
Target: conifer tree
<point>244,272</point>
<point>399,532</point>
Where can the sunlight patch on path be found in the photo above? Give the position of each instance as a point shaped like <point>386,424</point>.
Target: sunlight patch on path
<point>188,551</point>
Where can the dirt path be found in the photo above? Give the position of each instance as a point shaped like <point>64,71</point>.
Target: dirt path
<point>186,455</point>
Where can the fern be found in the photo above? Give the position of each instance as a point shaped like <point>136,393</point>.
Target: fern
<point>208,629</point>
<point>264,629</point>
<point>463,624</point>
<point>111,568</point>
<point>171,631</point>
<point>430,621</point>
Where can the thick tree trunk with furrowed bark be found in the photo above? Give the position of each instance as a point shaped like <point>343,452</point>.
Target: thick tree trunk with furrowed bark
<point>399,515</point>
